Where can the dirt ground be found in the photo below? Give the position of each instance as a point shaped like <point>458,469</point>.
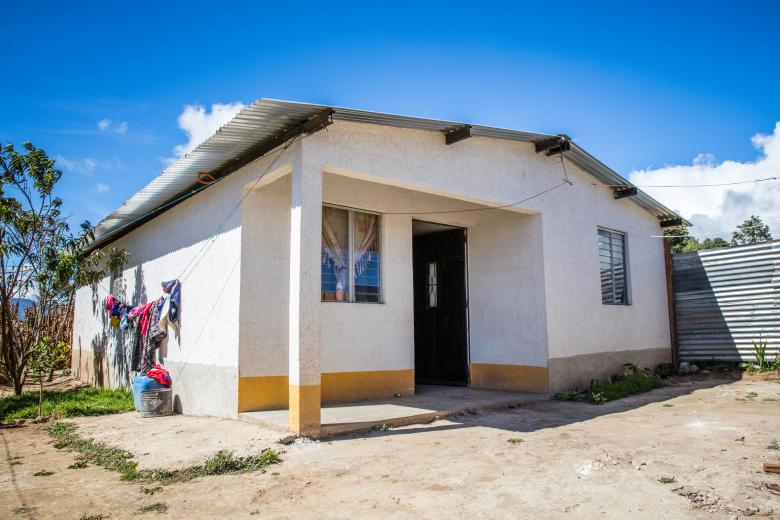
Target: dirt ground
<point>550,460</point>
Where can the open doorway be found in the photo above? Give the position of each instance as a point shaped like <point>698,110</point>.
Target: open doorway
<point>440,308</point>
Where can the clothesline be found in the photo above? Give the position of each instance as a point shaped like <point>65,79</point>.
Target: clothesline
<point>150,321</point>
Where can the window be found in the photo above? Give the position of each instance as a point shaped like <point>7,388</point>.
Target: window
<point>351,257</point>
<point>433,285</point>
<point>614,278</point>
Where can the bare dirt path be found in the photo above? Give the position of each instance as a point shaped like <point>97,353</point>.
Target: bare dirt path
<point>551,460</point>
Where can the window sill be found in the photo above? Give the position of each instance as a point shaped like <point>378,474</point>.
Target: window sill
<point>358,303</point>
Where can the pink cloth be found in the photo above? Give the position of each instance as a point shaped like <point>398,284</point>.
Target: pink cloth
<point>110,302</point>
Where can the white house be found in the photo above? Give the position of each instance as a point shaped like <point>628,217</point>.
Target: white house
<point>330,255</point>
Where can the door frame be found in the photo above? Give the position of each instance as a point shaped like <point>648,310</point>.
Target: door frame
<point>466,288</point>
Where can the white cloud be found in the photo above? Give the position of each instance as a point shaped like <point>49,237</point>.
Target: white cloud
<point>716,211</point>
<point>199,124</point>
<point>102,188</point>
<point>108,125</point>
<point>89,166</point>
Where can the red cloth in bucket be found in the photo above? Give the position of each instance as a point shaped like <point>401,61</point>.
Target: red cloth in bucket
<point>160,375</point>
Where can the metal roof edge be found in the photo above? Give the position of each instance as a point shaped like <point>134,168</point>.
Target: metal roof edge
<point>264,120</point>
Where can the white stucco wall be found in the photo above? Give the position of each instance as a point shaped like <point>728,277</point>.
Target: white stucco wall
<point>203,359</point>
<point>507,322</point>
<point>503,172</point>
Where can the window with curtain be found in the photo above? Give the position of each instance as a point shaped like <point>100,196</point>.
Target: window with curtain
<point>612,258</point>
<point>351,259</point>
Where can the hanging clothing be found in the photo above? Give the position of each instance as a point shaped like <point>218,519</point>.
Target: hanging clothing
<point>144,321</point>
<point>156,333</point>
<point>138,350</point>
<point>124,320</point>
<point>172,305</point>
<point>110,301</point>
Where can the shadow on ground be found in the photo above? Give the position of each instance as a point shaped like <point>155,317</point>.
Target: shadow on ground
<point>549,414</point>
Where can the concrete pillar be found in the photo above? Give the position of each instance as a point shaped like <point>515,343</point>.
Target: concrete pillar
<point>304,321</point>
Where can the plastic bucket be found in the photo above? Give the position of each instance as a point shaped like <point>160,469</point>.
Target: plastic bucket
<point>142,384</point>
<point>156,403</point>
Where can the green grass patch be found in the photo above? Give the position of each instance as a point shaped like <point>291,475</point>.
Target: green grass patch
<point>70,403</point>
<point>101,454</point>
<point>617,387</point>
<point>667,480</point>
<point>43,473</point>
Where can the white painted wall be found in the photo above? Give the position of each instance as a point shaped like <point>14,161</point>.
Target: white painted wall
<point>505,283</point>
<point>203,360</point>
<point>503,172</point>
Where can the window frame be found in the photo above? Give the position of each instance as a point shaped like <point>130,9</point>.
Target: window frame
<point>626,272</point>
<point>351,245</point>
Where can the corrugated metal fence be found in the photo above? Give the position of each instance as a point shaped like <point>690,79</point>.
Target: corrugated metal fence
<point>725,299</point>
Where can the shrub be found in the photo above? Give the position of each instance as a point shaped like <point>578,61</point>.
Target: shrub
<point>665,370</point>
<point>616,387</point>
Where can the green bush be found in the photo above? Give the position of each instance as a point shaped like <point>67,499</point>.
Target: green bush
<point>636,383</point>
<point>616,387</point>
<point>70,403</point>
<point>665,370</point>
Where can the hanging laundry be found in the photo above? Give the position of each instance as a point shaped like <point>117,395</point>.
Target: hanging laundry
<point>110,301</point>
<point>124,321</point>
<point>144,320</point>
<point>151,334</point>
<point>138,350</point>
<point>156,332</point>
<point>160,375</point>
<point>172,305</point>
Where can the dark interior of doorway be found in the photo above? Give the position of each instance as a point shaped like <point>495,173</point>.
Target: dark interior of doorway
<point>440,304</point>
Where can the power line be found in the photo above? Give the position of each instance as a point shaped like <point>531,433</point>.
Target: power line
<point>469,210</point>
<point>213,239</point>
<point>765,179</point>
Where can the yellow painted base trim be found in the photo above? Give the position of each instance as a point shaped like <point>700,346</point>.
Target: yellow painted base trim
<point>341,387</point>
<point>262,393</point>
<point>509,377</point>
<point>305,410</point>
<point>271,392</point>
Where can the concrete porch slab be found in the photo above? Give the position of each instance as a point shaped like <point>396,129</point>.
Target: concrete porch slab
<point>429,403</point>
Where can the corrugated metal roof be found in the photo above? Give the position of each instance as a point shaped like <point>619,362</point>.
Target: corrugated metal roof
<point>266,119</point>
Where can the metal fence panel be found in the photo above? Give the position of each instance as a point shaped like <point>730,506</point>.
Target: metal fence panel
<point>725,300</point>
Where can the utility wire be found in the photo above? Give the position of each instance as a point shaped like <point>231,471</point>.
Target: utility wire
<point>469,210</point>
<point>213,239</point>
<point>765,179</point>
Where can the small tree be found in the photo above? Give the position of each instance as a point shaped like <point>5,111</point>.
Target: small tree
<point>682,242</point>
<point>713,243</point>
<point>39,258</point>
<point>47,355</point>
<point>751,231</point>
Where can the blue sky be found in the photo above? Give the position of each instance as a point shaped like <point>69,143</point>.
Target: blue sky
<point>646,89</point>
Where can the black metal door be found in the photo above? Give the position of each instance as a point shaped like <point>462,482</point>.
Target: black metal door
<point>440,346</point>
